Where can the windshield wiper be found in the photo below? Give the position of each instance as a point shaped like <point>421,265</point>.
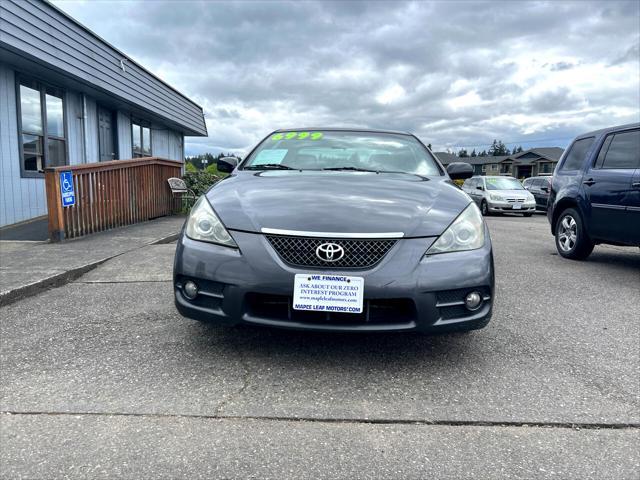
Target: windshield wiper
<point>356,169</point>
<point>351,169</point>
<point>269,166</point>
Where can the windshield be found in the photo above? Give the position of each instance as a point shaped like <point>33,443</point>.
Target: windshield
<point>332,150</point>
<point>503,184</point>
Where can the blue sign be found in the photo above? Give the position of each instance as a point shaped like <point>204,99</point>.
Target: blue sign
<point>66,187</point>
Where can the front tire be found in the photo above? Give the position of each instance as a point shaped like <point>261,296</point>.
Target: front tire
<point>572,240</point>
<point>528,214</point>
<point>484,208</point>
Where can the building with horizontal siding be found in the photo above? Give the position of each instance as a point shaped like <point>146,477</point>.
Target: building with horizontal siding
<point>68,97</point>
<point>528,163</point>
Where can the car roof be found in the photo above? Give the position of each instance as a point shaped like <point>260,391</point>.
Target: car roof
<point>604,131</point>
<point>341,129</point>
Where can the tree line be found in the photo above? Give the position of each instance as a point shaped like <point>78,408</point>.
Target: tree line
<point>496,149</point>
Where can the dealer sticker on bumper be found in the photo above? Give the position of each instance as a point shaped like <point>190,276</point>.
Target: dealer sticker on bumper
<point>328,293</point>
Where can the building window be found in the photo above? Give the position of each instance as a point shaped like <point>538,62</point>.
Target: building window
<point>140,140</point>
<point>42,134</point>
<point>545,167</point>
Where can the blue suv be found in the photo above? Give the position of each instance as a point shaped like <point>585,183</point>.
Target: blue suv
<point>595,192</point>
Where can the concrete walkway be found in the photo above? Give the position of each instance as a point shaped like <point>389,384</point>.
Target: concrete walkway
<point>26,268</point>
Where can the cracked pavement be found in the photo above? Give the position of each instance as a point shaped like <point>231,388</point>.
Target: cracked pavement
<point>103,378</point>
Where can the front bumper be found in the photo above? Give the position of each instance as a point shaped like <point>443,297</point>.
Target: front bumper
<point>495,206</point>
<point>404,292</point>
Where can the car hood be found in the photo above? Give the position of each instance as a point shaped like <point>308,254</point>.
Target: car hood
<point>345,202</point>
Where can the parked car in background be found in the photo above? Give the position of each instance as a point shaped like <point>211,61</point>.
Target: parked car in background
<point>539,188</point>
<point>500,195</point>
<point>595,192</point>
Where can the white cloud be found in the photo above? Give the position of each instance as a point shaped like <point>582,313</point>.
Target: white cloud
<point>469,99</point>
<point>390,94</point>
<point>454,73</point>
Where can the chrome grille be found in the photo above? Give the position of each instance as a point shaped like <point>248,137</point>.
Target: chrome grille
<point>515,200</point>
<point>358,253</point>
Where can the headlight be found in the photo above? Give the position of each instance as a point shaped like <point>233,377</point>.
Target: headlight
<point>495,196</point>
<point>204,225</point>
<point>465,233</point>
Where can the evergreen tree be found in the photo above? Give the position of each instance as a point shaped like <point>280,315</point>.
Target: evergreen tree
<point>498,148</point>
<point>473,153</point>
<point>463,153</point>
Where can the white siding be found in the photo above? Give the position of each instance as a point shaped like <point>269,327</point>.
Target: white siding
<point>167,144</point>
<point>20,198</point>
<point>175,145</point>
<point>92,130</point>
<point>160,143</point>
<point>73,105</point>
<point>124,136</point>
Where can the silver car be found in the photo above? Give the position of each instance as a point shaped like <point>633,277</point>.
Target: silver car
<point>500,195</point>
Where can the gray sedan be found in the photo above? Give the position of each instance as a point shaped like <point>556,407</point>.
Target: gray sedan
<point>500,195</point>
<point>344,230</point>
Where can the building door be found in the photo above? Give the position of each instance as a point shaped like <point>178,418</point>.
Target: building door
<point>106,135</point>
<point>524,171</point>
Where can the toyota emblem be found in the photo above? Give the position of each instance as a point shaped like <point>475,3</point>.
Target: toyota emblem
<point>329,252</point>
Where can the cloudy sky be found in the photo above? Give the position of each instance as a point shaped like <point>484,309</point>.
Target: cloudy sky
<point>455,73</point>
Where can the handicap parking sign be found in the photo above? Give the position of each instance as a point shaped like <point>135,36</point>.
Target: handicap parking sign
<point>66,187</point>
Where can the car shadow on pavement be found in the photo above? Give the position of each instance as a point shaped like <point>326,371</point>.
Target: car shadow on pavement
<point>405,347</point>
<point>619,258</point>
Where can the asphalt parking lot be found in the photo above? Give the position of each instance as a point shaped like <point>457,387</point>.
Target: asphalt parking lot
<point>102,378</point>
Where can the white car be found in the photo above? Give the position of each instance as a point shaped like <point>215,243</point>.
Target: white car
<point>495,194</point>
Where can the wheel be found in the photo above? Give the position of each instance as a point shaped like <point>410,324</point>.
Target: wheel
<point>528,214</point>
<point>484,208</point>
<point>572,240</point>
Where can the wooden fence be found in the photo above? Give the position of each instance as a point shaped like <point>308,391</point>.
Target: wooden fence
<point>110,194</point>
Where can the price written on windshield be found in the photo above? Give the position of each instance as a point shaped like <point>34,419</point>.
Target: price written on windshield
<point>297,136</point>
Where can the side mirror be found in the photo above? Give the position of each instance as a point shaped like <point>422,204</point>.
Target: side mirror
<point>480,187</point>
<point>227,164</point>
<point>544,189</point>
<point>460,171</point>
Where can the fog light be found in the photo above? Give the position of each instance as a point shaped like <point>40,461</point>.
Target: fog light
<point>473,300</point>
<point>190,290</point>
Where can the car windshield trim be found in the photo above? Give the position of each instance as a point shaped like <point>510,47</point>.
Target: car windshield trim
<point>364,151</point>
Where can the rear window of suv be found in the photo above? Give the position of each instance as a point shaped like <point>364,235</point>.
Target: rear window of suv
<point>575,157</point>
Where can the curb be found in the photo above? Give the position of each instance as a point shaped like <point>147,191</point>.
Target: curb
<point>60,279</point>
